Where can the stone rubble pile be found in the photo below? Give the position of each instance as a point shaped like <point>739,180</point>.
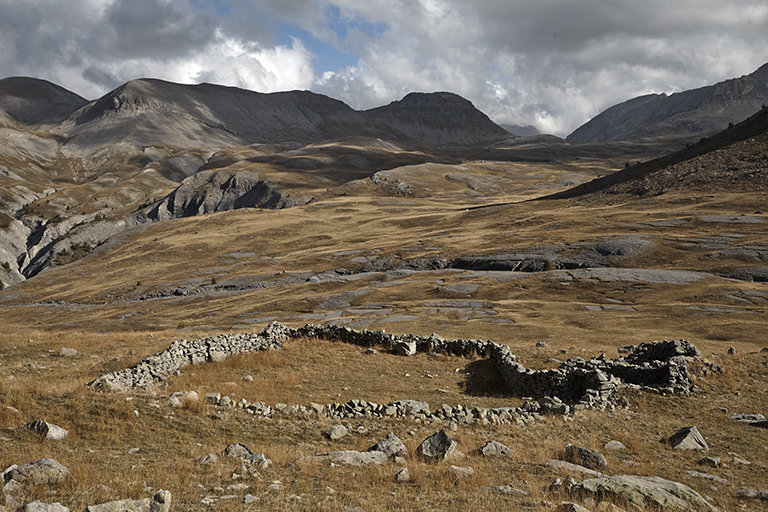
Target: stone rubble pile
<point>576,384</point>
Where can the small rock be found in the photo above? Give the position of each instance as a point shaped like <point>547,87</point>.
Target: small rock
<point>247,378</point>
<point>585,457</point>
<point>392,446</point>
<point>249,498</point>
<point>208,458</point>
<point>542,344</point>
<point>568,506</point>
<point>461,473</point>
<point>615,445</point>
<point>336,432</point>
<point>713,462</point>
<point>402,475</point>
<point>67,352</point>
<point>46,430</point>
<point>494,449</point>
<point>689,438</point>
<point>731,351</point>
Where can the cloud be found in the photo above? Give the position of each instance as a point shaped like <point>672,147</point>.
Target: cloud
<point>553,63</point>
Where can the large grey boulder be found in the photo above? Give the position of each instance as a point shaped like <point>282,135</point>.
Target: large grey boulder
<point>437,447</point>
<point>688,438</point>
<point>46,430</point>
<point>392,446</point>
<point>160,502</point>
<point>39,472</point>
<point>494,449</point>
<point>585,457</point>
<point>644,492</point>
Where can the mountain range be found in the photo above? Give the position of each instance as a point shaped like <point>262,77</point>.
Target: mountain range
<point>697,111</point>
<point>75,172</point>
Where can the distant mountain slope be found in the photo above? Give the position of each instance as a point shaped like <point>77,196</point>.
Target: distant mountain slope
<point>158,112</point>
<point>732,160</point>
<point>693,112</point>
<point>31,101</point>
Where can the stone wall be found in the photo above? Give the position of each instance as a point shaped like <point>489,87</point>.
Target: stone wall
<point>576,384</point>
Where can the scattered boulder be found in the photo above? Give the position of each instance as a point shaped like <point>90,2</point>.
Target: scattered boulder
<point>707,476</point>
<point>462,473</point>
<point>561,464</point>
<point>688,438</point>
<point>643,492</point>
<point>713,462</point>
<point>181,399</point>
<point>241,452</point>
<point>437,447</point>
<point>402,476</point>
<point>208,458</point>
<point>494,449</point>
<point>39,472</point>
<point>753,493</point>
<point>160,502</point>
<point>67,352</point>
<point>37,506</point>
<point>615,446</point>
<point>347,457</point>
<point>506,489</point>
<point>336,432</point>
<point>46,430</point>
<point>392,446</point>
<point>568,506</point>
<point>585,457</point>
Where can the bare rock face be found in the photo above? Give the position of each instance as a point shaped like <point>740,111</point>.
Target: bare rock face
<point>644,492</point>
<point>688,438</point>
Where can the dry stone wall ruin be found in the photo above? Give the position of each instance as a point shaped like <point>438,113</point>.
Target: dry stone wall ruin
<point>577,384</point>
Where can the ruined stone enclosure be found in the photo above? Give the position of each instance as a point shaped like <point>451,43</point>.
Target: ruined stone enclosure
<point>577,384</point>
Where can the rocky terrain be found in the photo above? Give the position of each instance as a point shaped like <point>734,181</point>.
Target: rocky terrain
<point>698,111</point>
<point>275,302</point>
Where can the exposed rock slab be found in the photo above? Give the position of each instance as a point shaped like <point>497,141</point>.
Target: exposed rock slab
<point>643,492</point>
<point>43,471</point>
<point>160,502</point>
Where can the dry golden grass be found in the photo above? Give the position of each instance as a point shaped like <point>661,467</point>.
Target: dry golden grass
<point>91,305</point>
<point>104,429</point>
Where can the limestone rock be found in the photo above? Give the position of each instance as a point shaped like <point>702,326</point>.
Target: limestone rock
<point>402,476</point>
<point>42,471</point>
<point>208,458</point>
<point>67,352</point>
<point>392,446</point>
<point>37,506</point>
<point>160,502</point>
<point>644,492</point>
<point>568,506</point>
<point>336,432</point>
<point>437,447</point>
<point>561,464</point>
<point>585,457</point>
<point>688,438</point>
<point>494,449</point>
<point>462,472</point>
<point>46,430</point>
<point>404,347</point>
<point>241,452</point>
<point>615,446</point>
<point>347,457</point>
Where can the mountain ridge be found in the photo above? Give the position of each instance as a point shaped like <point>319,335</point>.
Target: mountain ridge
<point>692,112</point>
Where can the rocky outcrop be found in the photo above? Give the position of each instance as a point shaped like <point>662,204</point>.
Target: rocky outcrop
<point>643,492</point>
<point>217,191</point>
<point>160,502</point>
<point>39,472</point>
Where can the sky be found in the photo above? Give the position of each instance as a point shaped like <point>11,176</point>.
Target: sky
<point>553,64</point>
